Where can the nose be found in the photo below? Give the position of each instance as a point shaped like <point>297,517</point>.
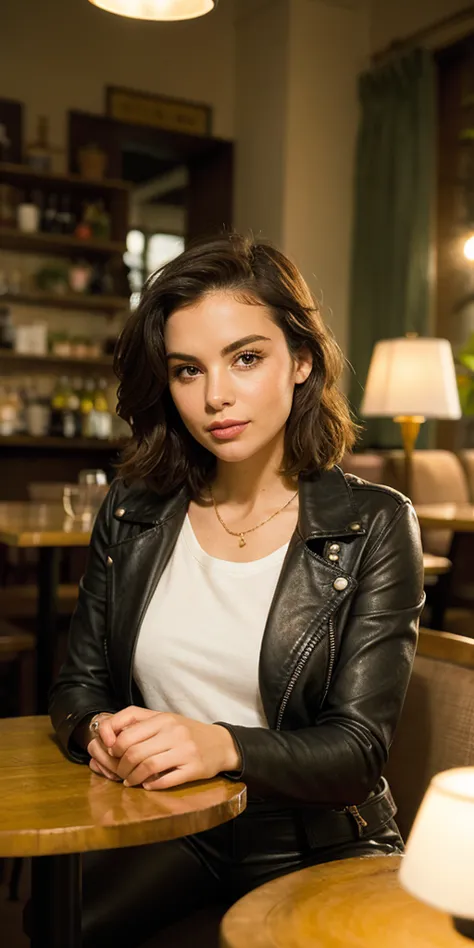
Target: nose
<point>219,390</point>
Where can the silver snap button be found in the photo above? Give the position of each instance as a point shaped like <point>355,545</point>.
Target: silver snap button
<point>333,557</point>
<point>334,548</point>
<point>120,511</point>
<point>355,527</point>
<point>340,583</point>
<point>109,561</point>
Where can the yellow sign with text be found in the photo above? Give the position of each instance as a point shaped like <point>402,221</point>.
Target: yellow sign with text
<point>142,109</point>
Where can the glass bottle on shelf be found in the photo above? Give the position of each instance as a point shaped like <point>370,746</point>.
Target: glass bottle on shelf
<point>51,222</point>
<point>102,415</point>
<point>65,217</point>
<point>58,404</point>
<point>5,143</point>
<point>38,154</point>
<point>87,409</point>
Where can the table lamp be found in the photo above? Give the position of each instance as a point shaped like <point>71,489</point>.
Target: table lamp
<point>410,379</point>
<point>438,866</point>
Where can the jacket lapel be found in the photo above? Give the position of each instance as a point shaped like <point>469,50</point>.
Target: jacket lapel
<point>306,597</point>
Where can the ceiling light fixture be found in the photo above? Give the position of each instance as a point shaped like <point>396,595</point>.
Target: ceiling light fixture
<point>165,10</point>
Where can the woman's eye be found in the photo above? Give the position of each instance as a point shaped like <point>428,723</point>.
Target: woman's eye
<point>186,372</point>
<point>249,359</point>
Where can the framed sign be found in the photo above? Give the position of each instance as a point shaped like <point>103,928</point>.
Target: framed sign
<point>157,111</point>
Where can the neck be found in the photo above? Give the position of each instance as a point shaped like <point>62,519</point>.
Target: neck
<point>257,478</point>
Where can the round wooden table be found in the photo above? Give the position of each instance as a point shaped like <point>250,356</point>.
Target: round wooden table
<point>456,517</point>
<point>435,565</point>
<point>355,903</point>
<point>54,809</point>
<point>45,528</point>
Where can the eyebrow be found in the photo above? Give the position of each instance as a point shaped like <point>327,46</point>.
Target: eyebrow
<point>232,347</point>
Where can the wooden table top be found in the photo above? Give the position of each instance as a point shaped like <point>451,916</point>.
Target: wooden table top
<point>32,525</point>
<point>435,565</point>
<point>458,517</point>
<point>347,904</point>
<point>52,806</point>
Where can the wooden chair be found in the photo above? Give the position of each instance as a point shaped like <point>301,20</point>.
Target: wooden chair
<point>17,648</point>
<point>436,730</point>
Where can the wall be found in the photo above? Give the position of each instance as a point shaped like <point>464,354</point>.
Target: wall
<point>262,30</point>
<point>58,55</point>
<point>329,46</point>
<point>391,21</point>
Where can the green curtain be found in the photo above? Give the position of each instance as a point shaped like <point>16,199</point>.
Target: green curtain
<point>394,202</point>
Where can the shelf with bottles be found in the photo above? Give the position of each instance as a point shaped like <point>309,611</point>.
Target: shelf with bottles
<point>69,408</point>
<point>25,176</point>
<point>77,301</point>
<point>65,444</point>
<point>26,360</point>
<point>40,243</point>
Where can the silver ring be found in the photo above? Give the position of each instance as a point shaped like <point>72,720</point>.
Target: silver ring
<point>94,726</point>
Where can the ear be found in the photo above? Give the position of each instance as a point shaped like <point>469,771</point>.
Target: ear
<point>303,365</point>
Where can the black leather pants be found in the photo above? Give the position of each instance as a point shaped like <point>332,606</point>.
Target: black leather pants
<point>129,894</point>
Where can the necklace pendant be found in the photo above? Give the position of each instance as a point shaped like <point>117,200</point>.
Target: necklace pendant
<point>242,540</point>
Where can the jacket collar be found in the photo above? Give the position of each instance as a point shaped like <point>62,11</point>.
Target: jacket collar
<point>326,506</point>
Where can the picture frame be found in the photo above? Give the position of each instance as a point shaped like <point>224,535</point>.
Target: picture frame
<point>157,111</point>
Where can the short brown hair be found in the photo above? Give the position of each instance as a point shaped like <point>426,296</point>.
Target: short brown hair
<point>161,451</point>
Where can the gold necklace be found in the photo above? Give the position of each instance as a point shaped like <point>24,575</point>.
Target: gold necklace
<point>241,533</point>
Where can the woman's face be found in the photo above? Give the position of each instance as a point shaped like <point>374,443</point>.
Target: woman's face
<point>231,375</point>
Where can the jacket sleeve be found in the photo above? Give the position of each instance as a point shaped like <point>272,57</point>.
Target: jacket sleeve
<point>83,686</point>
<point>340,759</point>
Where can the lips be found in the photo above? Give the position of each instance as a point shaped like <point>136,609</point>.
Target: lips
<point>228,423</point>
<point>226,430</point>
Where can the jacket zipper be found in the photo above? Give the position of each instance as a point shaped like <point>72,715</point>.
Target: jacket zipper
<point>352,810</point>
<point>299,668</point>
<point>332,659</point>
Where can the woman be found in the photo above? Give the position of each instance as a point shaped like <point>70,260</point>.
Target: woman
<point>246,609</point>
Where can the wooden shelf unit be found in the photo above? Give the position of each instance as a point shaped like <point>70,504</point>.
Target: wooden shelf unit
<point>74,301</point>
<point>68,444</point>
<point>24,175</point>
<point>20,360</point>
<point>53,244</point>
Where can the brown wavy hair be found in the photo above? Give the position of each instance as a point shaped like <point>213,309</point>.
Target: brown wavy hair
<point>161,452</point>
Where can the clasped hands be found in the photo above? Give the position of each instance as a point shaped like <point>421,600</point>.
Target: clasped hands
<point>158,750</point>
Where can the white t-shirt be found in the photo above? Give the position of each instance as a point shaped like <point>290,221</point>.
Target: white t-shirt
<point>199,644</point>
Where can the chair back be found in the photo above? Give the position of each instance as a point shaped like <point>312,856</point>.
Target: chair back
<point>466,458</point>
<point>369,466</point>
<point>436,730</point>
<point>437,478</point>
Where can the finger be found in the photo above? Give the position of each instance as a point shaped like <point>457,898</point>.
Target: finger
<point>106,732</point>
<point>128,716</point>
<point>102,771</point>
<point>138,733</point>
<point>98,753</point>
<point>154,766</point>
<point>136,755</point>
<point>173,778</point>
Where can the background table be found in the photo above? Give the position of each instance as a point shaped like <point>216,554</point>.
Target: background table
<point>54,809</point>
<point>457,519</point>
<point>46,528</point>
<point>343,904</point>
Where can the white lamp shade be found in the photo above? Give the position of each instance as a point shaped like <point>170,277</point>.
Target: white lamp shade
<point>157,9</point>
<point>438,867</point>
<point>412,376</point>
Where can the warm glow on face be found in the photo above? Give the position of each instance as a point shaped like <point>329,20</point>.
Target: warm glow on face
<point>469,248</point>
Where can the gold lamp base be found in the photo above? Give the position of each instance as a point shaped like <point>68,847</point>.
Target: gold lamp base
<point>410,427</point>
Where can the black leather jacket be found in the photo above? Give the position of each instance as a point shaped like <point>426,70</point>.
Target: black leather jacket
<point>337,650</point>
